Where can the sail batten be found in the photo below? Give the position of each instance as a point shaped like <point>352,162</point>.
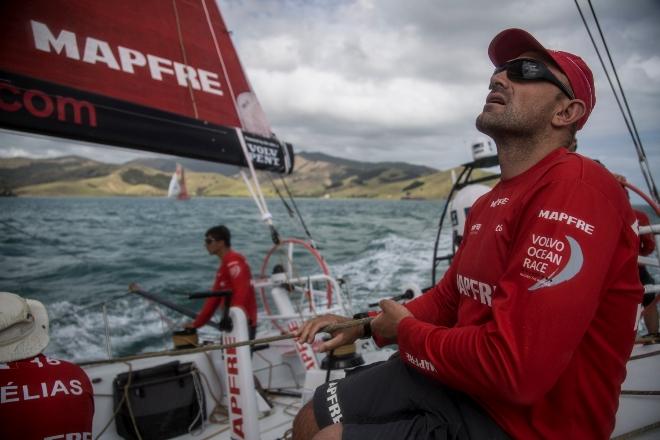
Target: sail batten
<point>132,74</point>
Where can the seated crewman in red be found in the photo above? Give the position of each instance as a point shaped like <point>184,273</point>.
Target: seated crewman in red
<point>234,275</point>
<point>42,397</point>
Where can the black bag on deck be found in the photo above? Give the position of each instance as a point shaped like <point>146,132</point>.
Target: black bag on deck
<point>165,401</point>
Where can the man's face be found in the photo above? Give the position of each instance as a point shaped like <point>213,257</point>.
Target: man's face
<point>213,246</point>
<point>520,108</point>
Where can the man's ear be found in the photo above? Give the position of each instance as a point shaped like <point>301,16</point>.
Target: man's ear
<point>569,113</point>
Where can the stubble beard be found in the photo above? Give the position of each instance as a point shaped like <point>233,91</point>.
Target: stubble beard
<point>513,124</point>
<point>502,125</point>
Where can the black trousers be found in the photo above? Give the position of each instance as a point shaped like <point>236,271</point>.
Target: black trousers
<point>389,400</point>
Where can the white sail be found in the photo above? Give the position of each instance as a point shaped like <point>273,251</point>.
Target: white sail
<point>175,189</point>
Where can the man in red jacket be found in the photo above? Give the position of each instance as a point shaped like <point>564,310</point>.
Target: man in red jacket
<point>528,333</point>
<point>233,274</point>
<point>40,397</point>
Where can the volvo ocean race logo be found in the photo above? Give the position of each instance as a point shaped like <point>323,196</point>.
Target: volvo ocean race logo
<point>551,261</point>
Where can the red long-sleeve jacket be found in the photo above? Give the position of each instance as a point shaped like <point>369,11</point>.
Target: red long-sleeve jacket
<point>233,274</point>
<point>45,398</point>
<point>535,316</point>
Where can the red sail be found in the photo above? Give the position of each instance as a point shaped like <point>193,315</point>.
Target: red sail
<point>183,194</point>
<point>139,74</point>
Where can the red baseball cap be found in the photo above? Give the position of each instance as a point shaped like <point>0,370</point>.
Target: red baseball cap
<point>510,43</point>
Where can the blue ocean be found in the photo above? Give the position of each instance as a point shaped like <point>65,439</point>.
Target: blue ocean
<point>78,256</point>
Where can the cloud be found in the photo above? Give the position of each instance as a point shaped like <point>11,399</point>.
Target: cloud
<point>392,80</point>
<point>13,144</point>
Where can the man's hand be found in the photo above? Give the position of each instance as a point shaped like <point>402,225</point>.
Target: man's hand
<point>345,336</point>
<point>386,323</point>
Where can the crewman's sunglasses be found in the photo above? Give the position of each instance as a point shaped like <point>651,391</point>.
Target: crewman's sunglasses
<point>526,69</point>
<point>208,240</point>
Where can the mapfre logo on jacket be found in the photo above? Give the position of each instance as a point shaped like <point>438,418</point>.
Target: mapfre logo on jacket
<point>475,289</point>
<point>234,269</point>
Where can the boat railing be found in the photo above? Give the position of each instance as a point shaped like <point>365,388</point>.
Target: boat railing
<point>649,229</point>
<point>652,288</point>
<point>654,258</point>
<point>304,316</point>
<point>648,261</point>
<point>341,305</point>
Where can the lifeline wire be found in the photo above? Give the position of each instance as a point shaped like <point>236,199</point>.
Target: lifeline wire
<point>643,162</point>
<point>327,329</point>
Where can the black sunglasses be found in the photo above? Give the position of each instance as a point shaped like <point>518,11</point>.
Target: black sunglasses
<point>526,69</point>
<point>208,240</point>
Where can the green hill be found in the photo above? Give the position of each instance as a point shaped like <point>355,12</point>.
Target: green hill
<point>315,175</point>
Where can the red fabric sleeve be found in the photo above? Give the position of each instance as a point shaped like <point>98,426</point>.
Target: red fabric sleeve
<point>437,306</point>
<point>520,353</point>
<point>240,285</point>
<point>43,397</point>
<point>646,241</point>
<point>209,308</point>
<point>211,304</point>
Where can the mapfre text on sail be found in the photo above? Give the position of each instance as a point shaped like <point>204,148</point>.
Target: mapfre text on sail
<point>97,51</point>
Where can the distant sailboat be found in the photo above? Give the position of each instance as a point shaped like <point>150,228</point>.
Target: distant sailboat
<point>177,187</point>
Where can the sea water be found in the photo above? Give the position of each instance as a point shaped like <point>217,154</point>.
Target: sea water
<point>78,256</point>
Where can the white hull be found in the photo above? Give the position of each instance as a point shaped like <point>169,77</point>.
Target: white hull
<point>278,367</point>
<point>636,412</point>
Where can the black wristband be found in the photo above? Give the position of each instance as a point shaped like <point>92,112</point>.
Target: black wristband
<point>366,327</point>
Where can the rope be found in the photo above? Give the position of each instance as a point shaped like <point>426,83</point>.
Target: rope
<point>279,194</point>
<point>257,195</point>
<point>199,394</point>
<point>222,61</point>
<point>631,129</point>
<point>256,191</point>
<point>642,155</point>
<point>645,355</point>
<point>185,58</point>
<point>130,408</point>
<point>125,399</point>
<point>121,402</point>
<point>327,329</point>
<point>300,217</point>
<point>257,200</point>
<point>639,393</point>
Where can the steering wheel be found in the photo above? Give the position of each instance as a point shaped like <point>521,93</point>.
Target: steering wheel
<point>289,245</point>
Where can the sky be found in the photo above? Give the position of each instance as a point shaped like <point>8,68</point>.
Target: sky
<point>393,80</point>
